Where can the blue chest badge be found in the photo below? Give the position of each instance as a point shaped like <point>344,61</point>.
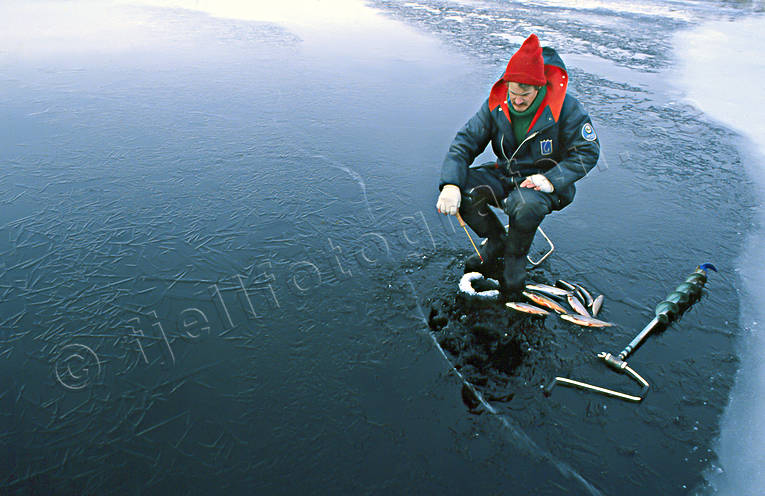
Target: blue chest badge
<point>588,132</point>
<point>546,146</point>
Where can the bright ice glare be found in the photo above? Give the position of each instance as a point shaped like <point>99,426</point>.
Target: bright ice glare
<point>49,27</point>
<point>721,65</point>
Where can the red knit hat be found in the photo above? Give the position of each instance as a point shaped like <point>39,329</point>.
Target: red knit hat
<point>527,65</point>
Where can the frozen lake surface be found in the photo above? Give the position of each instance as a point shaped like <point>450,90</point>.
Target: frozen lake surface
<point>220,249</point>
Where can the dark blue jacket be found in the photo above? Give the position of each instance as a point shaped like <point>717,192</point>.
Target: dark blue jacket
<point>561,142</point>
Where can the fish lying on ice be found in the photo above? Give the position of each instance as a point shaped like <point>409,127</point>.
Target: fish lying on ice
<point>577,305</point>
<point>597,304</point>
<point>577,289</point>
<point>588,300</point>
<point>585,321</point>
<point>544,301</point>
<point>548,290</point>
<point>526,308</point>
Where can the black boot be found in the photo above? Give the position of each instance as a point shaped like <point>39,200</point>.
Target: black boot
<point>525,211</point>
<point>476,213</point>
<point>513,278</point>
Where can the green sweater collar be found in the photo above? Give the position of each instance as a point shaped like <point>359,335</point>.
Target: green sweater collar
<point>522,120</point>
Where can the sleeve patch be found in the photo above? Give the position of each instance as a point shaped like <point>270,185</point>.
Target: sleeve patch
<point>588,132</point>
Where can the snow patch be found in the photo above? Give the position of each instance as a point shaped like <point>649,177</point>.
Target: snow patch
<point>466,286</point>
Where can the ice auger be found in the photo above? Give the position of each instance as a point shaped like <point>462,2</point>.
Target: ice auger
<point>669,310</point>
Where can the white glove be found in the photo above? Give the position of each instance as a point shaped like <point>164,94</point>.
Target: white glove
<point>544,184</point>
<point>449,199</point>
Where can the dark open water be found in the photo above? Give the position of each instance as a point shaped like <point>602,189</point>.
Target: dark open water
<point>220,248</point>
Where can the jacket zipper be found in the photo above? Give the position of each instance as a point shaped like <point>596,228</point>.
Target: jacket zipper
<point>502,147</point>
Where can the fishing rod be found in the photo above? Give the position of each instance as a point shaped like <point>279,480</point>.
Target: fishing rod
<point>669,310</point>
<point>464,226</point>
<point>535,263</point>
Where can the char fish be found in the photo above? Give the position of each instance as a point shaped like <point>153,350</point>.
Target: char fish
<point>577,305</point>
<point>597,304</point>
<point>526,308</point>
<point>585,321</point>
<point>548,290</point>
<point>544,301</point>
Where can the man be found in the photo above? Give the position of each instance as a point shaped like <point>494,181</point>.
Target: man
<point>544,142</point>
